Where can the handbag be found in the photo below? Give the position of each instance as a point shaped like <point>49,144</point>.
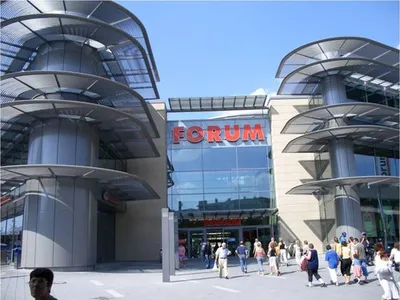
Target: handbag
<point>304,264</point>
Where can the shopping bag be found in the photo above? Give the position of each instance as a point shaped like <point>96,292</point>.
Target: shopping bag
<point>304,264</point>
<point>215,267</point>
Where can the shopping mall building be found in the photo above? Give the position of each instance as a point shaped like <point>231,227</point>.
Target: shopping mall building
<point>91,154</point>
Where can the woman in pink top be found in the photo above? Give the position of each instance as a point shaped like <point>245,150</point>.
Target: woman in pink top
<point>259,253</point>
<point>181,253</point>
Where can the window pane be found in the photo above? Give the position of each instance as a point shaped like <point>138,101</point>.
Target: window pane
<point>252,157</point>
<point>219,159</point>
<point>186,159</point>
<point>221,201</point>
<point>187,203</point>
<point>253,180</point>
<point>219,182</point>
<point>187,182</point>
<point>255,200</point>
<point>365,165</point>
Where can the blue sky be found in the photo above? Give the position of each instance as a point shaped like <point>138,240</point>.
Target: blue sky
<point>234,48</point>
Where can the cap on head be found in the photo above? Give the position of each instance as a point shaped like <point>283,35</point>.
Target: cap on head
<point>363,233</point>
<point>344,233</point>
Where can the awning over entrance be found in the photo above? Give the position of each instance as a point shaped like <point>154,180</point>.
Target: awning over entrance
<point>329,184</point>
<point>216,214</point>
<point>127,187</point>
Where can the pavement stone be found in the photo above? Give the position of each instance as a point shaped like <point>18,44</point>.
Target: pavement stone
<point>130,281</point>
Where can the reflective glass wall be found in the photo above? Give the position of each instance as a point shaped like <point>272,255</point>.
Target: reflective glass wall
<point>222,175</point>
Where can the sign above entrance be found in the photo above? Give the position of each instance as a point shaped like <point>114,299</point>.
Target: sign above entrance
<point>221,222</point>
<point>196,134</point>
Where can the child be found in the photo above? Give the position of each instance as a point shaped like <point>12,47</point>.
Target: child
<point>357,268</point>
<point>332,258</point>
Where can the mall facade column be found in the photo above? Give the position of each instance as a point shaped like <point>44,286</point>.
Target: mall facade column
<point>347,200</point>
<point>60,223</point>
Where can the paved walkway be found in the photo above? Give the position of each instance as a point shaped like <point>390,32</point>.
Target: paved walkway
<point>133,281</point>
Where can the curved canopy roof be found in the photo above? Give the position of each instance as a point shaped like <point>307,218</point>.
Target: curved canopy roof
<point>122,132</point>
<point>306,79</point>
<point>329,184</point>
<point>123,57</point>
<point>372,113</point>
<point>366,135</point>
<point>40,84</point>
<point>125,186</point>
<point>347,47</point>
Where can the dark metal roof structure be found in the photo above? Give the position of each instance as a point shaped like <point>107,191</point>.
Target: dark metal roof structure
<point>366,135</point>
<point>359,60</point>
<point>40,84</point>
<point>119,37</point>
<point>328,184</point>
<point>306,79</point>
<point>121,131</point>
<point>127,187</point>
<point>372,113</point>
<point>214,214</point>
<point>217,103</point>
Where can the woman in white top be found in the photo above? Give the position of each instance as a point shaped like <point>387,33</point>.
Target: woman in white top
<point>384,272</point>
<point>395,257</point>
<point>297,253</point>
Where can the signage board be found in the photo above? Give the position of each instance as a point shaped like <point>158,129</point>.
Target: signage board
<point>222,222</point>
<point>196,134</point>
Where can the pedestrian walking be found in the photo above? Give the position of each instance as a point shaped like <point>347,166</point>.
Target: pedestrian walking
<point>222,257</point>
<point>260,256</point>
<point>395,257</point>
<point>283,253</point>
<point>313,265</point>
<point>298,250</point>
<point>273,263</point>
<point>360,260</point>
<point>207,254</point>
<point>337,246</point>
<point>332,258</point>
<point>243,253</point>
<point>203,245</point>
<point>345,264</point>
<point>384,272</point>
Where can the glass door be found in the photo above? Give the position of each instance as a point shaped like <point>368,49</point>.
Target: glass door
<point>249,236</point>
<point>231,238</point>
<point>195,241</point>
<point>264,236</point>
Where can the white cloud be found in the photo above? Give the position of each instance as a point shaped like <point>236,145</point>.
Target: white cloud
<point>259,91</point>
<point>398,46</point>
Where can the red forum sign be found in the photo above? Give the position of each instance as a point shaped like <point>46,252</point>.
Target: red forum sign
<point>196,134</point>
<point>222,222</point>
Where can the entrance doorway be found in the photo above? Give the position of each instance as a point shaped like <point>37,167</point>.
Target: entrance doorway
<point>195,241</point>
<point>217,236</point>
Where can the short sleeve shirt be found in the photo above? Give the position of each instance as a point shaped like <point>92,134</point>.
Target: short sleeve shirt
<point>241,250</point>
<point>332,258</point>
<point>222,253</point>
<point>360,250</point>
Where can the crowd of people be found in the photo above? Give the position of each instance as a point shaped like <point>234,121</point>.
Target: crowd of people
<point>345,257</point>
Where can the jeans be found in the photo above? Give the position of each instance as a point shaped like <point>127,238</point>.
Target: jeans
<point>243,264</point>
<point>207,260</point>
<point>260,261</point>
<point>364,267</point>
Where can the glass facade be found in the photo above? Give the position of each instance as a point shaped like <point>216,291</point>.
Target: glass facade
<point>211,176</point>
<point>215,180</point>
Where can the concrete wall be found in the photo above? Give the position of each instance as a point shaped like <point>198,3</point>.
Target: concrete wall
<point>293,209</point>
<point>138,229</point>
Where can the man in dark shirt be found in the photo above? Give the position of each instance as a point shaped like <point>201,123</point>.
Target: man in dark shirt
<point>243,254</point>
<point>207,254</point>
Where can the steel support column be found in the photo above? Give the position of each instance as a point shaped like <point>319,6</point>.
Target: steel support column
<point>347,200</point>
<point>165,239</point>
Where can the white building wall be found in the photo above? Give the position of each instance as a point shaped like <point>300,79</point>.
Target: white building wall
<point>288,172</point>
